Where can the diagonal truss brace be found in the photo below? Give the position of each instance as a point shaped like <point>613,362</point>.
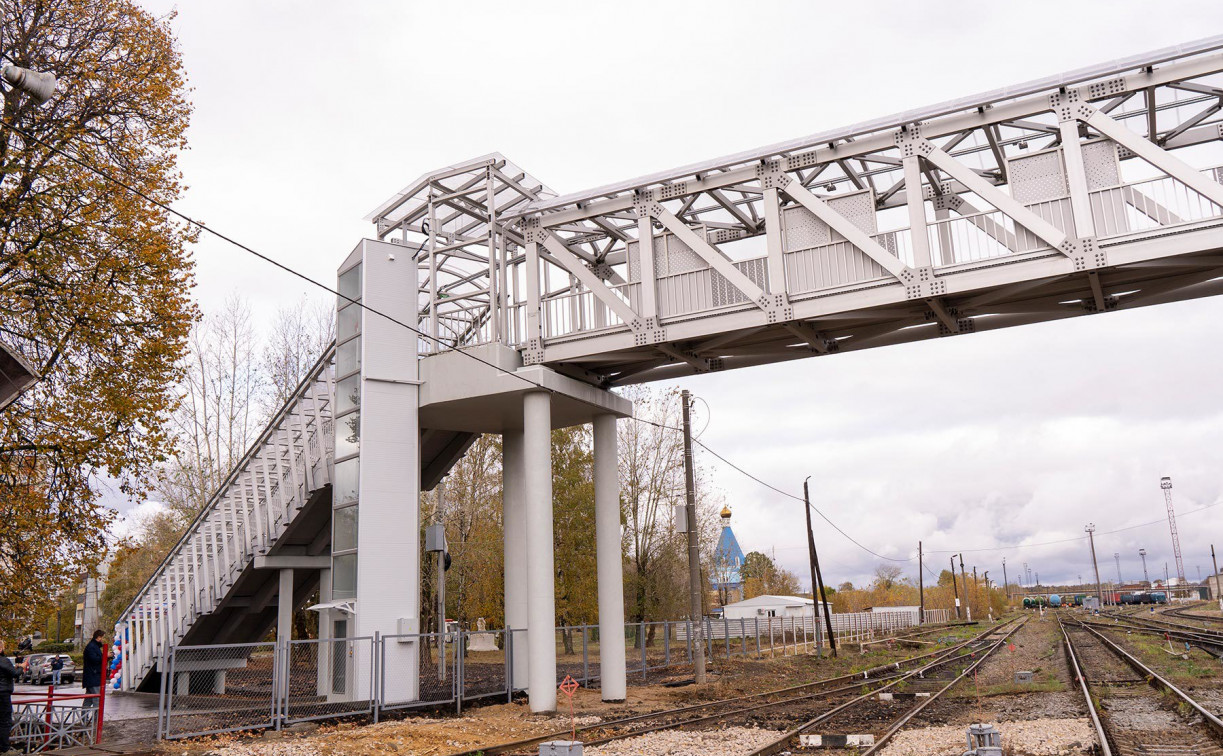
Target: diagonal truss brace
<point>839,223</point>
<point>1156,156</point>
<point>775,305</point>
<point>646,330</point>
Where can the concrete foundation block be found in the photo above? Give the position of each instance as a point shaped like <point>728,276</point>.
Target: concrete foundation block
<point>1023,678</point>
<point>560,748</point>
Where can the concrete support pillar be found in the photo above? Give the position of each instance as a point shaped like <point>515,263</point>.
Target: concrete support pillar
<point>514,528</point>
<point>284,607</point>
<point>612,670</point>
<point>541,597</point>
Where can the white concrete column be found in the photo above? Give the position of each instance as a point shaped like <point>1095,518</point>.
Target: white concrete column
<point>541,597</point>
<point>284,607</point>
<point>514,528</point>
<point>612,671</point>
<point>324,634</point>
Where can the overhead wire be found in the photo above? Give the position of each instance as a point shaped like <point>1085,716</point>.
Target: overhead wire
<point>105,175</point>
<point>534,384</point>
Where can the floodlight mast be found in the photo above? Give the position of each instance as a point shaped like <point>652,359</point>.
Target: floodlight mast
<point>1166,484</point>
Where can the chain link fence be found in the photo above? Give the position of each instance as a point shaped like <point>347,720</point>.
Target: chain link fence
<point>226,688</point>
<point>222,688</point>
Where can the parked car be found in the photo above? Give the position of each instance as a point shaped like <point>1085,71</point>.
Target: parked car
<point>41,673</point>
<point>29,664</point>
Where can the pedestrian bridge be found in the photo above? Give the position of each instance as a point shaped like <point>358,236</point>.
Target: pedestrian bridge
<point>1078,194</point>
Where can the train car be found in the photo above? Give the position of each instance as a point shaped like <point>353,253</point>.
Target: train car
<point>1078,598</point>
<point>1131,598</point>
<point>1055,601</point>
<point>1027,603</point>
<point>1159,597</point>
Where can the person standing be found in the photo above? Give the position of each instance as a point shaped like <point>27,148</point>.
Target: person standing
<point>8,673</point>
<point>57,668</point>
<point>95,659</point>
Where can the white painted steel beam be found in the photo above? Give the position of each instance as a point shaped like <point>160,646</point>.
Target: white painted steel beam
<point>541,597</point>
<point>609,560</point>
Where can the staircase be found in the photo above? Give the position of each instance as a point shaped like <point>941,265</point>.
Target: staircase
<point>278,496</point>
<point>210,588</point>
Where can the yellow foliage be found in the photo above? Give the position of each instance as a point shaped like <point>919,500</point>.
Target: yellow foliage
<point>94,283</point>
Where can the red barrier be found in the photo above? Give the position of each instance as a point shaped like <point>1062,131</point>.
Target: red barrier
<point>52,697</point>
<point>102,691</point>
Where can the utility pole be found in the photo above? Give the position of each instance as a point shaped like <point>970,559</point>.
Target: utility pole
<point>817,577</point>
<point>1216,574</point>
<point>694,554</point>
<point>967,606</point>
<point>1145,578</point>
<point>955,587</point>
<point>921,586</point>
<point>976,587</point>
<point>1006,585</point>
<point>1091,539</point>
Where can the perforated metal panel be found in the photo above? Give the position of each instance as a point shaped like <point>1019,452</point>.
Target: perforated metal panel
<point>680,258</point>
<point>802,230</point>
<point>634,261</point>
<point>1037,178</point>
<point>724,293</point>
<point>858,208</point>
<point>1101,164</point>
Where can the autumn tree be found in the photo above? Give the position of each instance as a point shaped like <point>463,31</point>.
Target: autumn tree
<point>762,576</point>
<point>94,282</point>
<point>299,335</point>
<point>219,416</point>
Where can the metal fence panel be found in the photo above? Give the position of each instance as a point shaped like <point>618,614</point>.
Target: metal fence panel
<point>327,678</point>
<point>412,661</point>
<point>223,688</point>
<point>485,664</point>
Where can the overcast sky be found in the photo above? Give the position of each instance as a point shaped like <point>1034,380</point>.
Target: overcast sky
<point>308,114</point>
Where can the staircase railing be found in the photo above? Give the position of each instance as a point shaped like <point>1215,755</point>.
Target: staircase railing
<point>291,459</point>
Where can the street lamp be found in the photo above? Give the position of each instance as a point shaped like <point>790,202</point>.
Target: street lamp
<point>39,86</point>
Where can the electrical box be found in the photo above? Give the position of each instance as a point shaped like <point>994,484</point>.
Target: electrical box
<point>681,518</point>
<point>408,626</point>
<point>1022,678</point>
<point>435,538</point>
<point>560,748</point>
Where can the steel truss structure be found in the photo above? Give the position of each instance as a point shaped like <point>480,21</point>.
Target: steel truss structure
<point>1075,194</point>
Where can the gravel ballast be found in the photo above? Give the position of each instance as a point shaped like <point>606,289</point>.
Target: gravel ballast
<point>1033,737</point>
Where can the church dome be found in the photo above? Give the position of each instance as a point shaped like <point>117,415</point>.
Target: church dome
<point>725,512</point>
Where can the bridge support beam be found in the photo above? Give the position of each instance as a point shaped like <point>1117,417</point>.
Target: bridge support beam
<point>612,674</point>
<point>541,601</point>
<point>514,531</point>
<point>284,607</point>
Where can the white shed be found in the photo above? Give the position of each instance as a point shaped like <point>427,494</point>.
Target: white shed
<point>770,606</point>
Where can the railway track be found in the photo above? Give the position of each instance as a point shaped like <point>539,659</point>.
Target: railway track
<point>1135,711</point>
<point>1210,641</point>
<point>881,718</point>
<point>754,709</point>
<point>1184,613</point>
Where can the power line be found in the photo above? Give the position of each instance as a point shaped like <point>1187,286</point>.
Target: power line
<point>454,346</point>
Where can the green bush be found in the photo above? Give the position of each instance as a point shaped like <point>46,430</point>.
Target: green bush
<point>54,648</point>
